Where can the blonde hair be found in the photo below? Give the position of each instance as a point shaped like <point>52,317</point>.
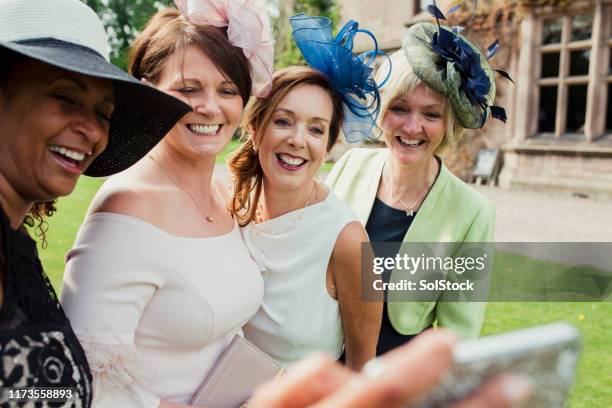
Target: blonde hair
<point>403,81</point>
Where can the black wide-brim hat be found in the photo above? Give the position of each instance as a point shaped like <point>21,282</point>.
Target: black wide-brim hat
<point>67,34</point>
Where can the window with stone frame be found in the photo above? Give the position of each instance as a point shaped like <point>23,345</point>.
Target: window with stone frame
<point>573,75</point>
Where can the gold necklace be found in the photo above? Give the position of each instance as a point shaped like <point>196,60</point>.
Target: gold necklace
<point>300,217</point>
<point>208,218</point>
<point>410,209</point>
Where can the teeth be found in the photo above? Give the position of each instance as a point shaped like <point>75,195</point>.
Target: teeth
<point>292,161</point>
<point>203,129</point>
<point>72,154</point>
<point>410,142</point>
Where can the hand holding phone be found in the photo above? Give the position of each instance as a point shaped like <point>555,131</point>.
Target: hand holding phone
<point>545,355</point>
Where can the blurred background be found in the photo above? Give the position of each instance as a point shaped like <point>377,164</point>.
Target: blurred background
<point>559,132</point>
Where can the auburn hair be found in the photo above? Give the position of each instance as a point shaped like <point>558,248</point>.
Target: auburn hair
<point>244,162</point>
<point>168,31</point>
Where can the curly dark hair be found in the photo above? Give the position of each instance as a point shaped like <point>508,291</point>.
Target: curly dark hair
<point>37,215</point>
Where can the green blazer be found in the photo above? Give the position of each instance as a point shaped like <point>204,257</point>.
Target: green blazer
<point>451,212</point>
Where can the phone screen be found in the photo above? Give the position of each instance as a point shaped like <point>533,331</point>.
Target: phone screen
<point>545,355</point>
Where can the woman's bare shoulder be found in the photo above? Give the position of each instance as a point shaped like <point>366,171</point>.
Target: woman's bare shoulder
<point>348,243</point>
<point>128,195</point>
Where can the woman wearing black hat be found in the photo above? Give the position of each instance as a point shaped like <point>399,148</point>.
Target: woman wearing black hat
<point>64,111</point>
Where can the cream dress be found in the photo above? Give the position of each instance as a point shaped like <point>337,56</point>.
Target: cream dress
<point>298,316</point>
<point>153,311</point>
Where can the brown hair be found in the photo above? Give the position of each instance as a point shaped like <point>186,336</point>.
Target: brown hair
<point>168,31</point>
<point>244,163</point>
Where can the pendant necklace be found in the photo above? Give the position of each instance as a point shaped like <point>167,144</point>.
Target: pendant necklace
<point>410,209</point>
<point>209,217</point>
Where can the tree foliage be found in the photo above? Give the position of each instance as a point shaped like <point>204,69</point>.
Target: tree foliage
<point>286,53</point>
<point>123,20</point>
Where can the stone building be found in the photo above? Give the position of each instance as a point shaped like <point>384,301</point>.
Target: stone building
<point>559,132</point>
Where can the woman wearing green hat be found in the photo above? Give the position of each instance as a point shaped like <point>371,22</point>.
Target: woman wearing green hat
<point>440,84</point>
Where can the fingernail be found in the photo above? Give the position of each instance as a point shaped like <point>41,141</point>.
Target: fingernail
<point>516,389</point>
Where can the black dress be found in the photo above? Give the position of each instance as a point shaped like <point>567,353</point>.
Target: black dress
<point>388,224</point>
<point>37,345</point>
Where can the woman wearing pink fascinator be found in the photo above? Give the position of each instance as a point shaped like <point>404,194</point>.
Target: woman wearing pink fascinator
<point>159,280</point>
<point>248,28</point>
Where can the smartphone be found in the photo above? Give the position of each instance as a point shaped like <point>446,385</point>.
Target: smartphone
<point>545,355</point>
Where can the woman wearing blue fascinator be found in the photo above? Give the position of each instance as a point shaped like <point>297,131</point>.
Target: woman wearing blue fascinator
<point>304,237</point>
<point>440,84</point>
<point>349,75</point>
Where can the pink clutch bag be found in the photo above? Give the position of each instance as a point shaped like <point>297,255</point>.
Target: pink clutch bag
<point>238,371</point>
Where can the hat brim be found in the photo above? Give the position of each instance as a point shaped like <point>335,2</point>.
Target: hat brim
<point>142,116</point>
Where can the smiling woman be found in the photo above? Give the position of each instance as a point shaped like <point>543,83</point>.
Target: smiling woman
<point>280,114</point>
<point>60,94</point>
<point>289,114</point>
<point>217,103</point>
<point>58,120</point>
<point>405,193</point>
<point>35,125</point>
<point>416,139</point>
<point>69,134</point>
<point>304,238</point>
<point>150,284</point>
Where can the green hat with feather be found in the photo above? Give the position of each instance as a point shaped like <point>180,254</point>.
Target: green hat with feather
<point>448,63</point>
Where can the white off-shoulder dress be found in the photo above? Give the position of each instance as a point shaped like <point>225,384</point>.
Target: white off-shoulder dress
<point>154,311</point>
<point>298,316</point>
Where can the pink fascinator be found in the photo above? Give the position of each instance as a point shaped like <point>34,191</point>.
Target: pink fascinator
<point>248,27</point>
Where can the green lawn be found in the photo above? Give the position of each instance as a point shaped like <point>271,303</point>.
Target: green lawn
<point>594,383</point>
<point>63,226</point>
<point>233,145</point>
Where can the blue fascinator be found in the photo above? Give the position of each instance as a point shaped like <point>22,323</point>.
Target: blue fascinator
<point>451,65</point>
<point>350,75</point>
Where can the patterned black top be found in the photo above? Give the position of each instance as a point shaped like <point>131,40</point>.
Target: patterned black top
<point>37,345</point>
